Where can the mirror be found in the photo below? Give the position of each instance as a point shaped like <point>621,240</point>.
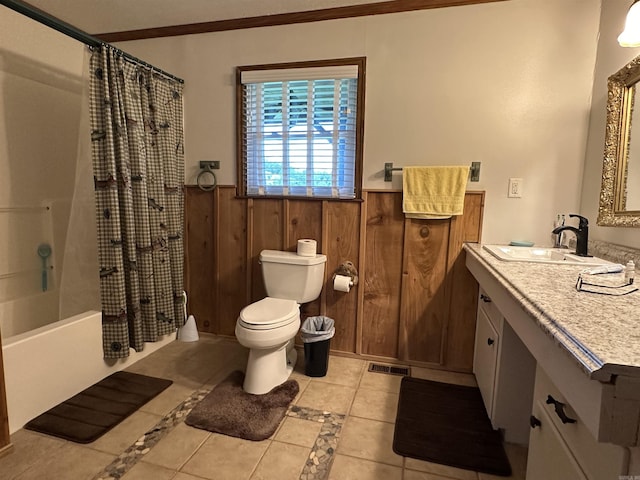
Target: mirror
<point>620,192</point>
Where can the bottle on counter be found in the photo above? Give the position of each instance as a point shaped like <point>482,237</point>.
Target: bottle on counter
<point>629,272</point>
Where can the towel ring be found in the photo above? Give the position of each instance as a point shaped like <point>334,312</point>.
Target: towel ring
<point>207,168</point>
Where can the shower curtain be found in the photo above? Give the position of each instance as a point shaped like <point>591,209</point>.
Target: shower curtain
<point>138,163</point>
<point>79,287</point>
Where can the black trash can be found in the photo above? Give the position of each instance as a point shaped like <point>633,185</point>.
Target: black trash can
<point>316,337</point>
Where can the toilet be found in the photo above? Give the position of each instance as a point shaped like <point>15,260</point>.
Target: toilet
<point>267,327</point>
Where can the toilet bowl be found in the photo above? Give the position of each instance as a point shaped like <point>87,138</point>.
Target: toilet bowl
<point>267,327</point>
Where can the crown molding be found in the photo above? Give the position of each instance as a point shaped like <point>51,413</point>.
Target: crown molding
<point>351,11</point>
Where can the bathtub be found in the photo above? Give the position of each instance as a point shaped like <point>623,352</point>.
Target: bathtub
<point>46,366</point>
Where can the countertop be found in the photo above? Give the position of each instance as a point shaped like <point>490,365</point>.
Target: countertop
<point>600,332</point>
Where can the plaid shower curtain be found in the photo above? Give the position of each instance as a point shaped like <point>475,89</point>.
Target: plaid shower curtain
<point>138,163</point>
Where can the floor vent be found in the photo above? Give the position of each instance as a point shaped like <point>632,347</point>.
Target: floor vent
<point>377,368</point>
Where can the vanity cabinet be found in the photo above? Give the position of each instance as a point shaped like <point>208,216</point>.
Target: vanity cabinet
<point>504,370</point>
<point>560,445</point>
<point>532,365</point>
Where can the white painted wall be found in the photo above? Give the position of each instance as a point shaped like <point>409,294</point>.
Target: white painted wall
<point>611,58</point>
<point>507,84</point>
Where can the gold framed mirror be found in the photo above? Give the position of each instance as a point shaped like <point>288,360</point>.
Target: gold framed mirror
<point>620,190</point>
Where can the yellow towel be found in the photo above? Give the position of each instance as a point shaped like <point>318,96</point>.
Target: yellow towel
<point>433,192</point>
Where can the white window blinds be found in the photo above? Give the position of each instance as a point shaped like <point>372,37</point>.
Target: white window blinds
<point>299,131</point>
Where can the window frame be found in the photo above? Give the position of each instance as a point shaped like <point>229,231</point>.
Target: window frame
<point>360,62</point>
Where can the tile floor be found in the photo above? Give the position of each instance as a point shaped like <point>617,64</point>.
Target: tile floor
<point>364,401</point>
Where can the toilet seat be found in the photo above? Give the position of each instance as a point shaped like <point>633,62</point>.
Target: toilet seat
<point>269,313</point>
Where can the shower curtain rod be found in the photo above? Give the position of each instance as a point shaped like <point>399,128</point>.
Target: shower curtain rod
<point>75,33</point>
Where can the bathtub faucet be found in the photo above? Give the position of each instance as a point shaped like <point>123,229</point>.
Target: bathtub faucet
<point>582,234</point>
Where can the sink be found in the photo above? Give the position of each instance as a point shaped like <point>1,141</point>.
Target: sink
<point>559,256</point>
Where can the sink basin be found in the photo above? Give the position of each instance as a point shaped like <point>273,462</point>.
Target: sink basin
<point>557,256</point>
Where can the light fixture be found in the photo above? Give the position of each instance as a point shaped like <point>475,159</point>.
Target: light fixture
<point>630,37</point>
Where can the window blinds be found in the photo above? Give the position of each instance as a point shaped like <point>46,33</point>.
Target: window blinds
<point>299,131</point>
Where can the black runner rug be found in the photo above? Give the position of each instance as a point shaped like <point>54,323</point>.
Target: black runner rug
<point>447,424</point>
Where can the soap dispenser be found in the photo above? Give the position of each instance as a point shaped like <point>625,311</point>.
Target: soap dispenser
<point>629,272</point>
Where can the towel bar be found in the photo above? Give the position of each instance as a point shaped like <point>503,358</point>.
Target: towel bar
<point>42,209</point>
<point>207,167</point>
<point>474,171</point>
<point>4,276</point>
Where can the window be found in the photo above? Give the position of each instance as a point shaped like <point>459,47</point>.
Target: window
<point>300,129</point>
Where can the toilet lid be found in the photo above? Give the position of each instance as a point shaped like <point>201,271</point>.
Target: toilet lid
<point>269,313</point>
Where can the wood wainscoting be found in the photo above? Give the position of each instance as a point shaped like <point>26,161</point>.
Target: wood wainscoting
<point>5,439</point>
<point>415,301</point>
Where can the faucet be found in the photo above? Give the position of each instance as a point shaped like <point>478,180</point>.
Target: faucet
<point>582,234</point>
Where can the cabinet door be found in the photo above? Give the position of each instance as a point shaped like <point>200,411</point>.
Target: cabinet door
<point>549,456</point>
<point>484,358</point>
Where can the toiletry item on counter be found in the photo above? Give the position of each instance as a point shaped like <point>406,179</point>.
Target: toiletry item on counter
<point>521,243</point>
<point>630,271</point>
<point>613,268</point>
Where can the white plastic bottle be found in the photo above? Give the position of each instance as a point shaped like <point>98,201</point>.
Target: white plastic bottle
<point>629,272</point>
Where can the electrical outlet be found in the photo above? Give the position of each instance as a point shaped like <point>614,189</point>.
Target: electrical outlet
<point>515,188</point>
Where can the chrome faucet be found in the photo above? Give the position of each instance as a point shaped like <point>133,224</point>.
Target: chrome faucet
<point>582,234</point>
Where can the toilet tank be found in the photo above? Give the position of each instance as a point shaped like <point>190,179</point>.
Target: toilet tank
<point>291,276</point>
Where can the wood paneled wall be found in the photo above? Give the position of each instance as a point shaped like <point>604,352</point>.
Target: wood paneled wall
<point>415,302</point>
<point>5,439</point>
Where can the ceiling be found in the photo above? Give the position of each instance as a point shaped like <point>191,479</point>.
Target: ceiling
<point>102,16</point>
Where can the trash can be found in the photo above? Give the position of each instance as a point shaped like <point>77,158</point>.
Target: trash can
<point>316,337</point>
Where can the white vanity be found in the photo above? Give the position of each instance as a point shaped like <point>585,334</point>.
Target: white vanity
<point>558,369</point>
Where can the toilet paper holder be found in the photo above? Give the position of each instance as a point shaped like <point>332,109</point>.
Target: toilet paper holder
<point>348,270</point>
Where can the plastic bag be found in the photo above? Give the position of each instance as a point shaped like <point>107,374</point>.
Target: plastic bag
<point>317,329</point>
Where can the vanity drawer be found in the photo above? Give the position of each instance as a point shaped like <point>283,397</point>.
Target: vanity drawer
<point>485,303</point>
<point>597,460</point>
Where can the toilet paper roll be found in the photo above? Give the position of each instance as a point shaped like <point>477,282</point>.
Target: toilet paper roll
<point>307,247</point>
<point>342,283</point>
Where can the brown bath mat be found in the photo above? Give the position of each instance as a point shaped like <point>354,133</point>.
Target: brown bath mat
<point>229,410</point>
<point>447,424</point>
<point>96,410</point>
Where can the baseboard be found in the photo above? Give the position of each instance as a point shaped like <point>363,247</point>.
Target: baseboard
<point>6,450</point>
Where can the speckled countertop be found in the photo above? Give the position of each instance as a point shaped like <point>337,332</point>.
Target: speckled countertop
<point>601,332</point>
